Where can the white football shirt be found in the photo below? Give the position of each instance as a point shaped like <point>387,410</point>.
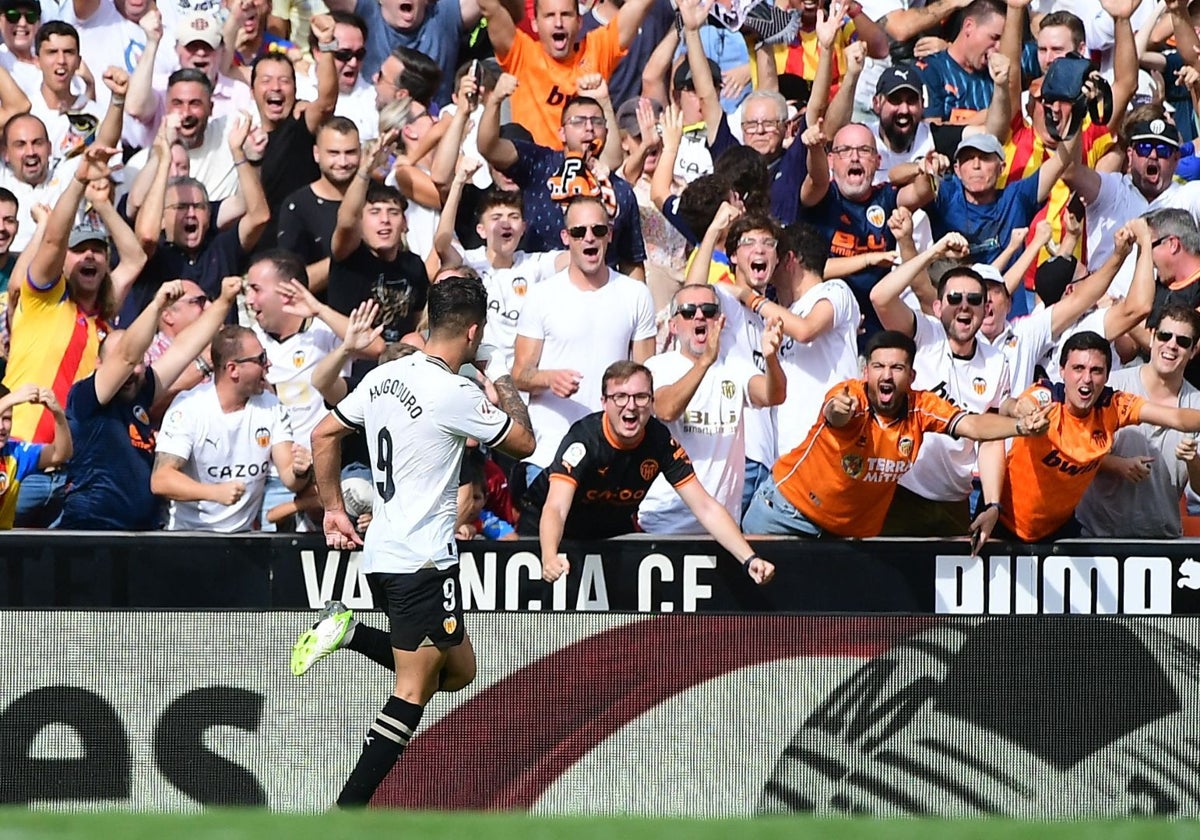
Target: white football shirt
<point>292,363</point>
<point>507,289</point>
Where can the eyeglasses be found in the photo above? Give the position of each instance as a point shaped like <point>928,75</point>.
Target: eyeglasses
<point>760,126</point>
<point>584,122</point>
<point>973,298</point>
<point>750,242</point>
<point>689,310</point>
<point>1155,243</point>
<point>1184,341</point>
<point>260,359</point>
<point>15,15</point>
<point>847,152</point>
<point>188,205</point>
<point>580,231</point>
<point>621,399</point>
<point>1164,150</point>
<point>379,77</point>
<point>346,55</point>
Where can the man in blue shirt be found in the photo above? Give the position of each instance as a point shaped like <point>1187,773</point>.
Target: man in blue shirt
<point>548,178</point>
<point>108,477</point>
<point>957,79</point>
<point>969,202</point>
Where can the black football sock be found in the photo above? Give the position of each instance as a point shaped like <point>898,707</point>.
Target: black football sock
<point>373,643</point>
<point>385,741</point>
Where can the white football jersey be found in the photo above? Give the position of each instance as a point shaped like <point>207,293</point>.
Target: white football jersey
<point>742,338</point>
<point>220,447</point>
<point>506,290</point>
<point>417,414</point>
<point>945,466</point>
<point>292,363</point>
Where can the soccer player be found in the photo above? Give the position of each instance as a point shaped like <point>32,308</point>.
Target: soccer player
<point>417,413</point>
<point>1054,471</point>
<point>841,479</point>
<point>604,467</point>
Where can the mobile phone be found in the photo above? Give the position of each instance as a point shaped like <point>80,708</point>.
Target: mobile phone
<point>1075,205</point>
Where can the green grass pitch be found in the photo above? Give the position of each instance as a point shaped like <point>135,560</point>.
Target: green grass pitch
<point>16,824</point>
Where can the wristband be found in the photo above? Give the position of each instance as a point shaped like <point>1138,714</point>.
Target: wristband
<point>755,302</point>
<point>746,563</point>
<point>117,100</point>
<point>241,162</point>
<point>988,506</point>
<point>204,367</point>
<point>327,46</point>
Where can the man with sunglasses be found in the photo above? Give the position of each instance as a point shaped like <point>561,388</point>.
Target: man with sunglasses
<point>19,21</point>
<point>701,394</point>
<point>933,497</point>
<point>356,94</point>
<point>1136,490</point>
<point>219,441</point>
<point>603,469</point>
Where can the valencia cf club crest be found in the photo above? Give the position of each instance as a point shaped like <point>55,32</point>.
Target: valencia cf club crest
<point>3,482</point>
<point>298,359</point>
<point>905,446</point>
<point>727,388</point>
<point>262,436</point>
<point>979,384</point>
<point>853,465</point>
<point>140,414</point>
<point>520,286</point>
<point>649,469</point>
<point>875,216</point>
<point>1099,436</point>
<point>449,624</point>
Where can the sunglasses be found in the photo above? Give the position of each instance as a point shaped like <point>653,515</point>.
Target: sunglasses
<point>580,231</point>
<point>15,15</point>
<point>1164,149</point>
<point>346,55</point>
<point>260,359</point>
<point>689,310</point>
<point>973,298</point>
<point>1184,341</point>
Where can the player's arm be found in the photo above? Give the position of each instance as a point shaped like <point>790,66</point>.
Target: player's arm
<point>722,528</point>
<point>327,472</point>
<point>550,527</point>
<point>998,427</point>
<point>1180,419</point>
<point>519,442</point>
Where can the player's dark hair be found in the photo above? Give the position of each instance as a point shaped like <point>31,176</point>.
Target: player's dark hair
<point>747,174</point>
<point>378,193</point>
<point>1176,312</point>
<point>279,58</point>
<point>1069,21</point>
<point>751,221</point>
<point>397,350</point>
<point>807,244</point>
<point>576,102</point>
<point>421,76</point>
<point>980,10</point>
<point>286,264</point>
<point>1086,340</point>
<point>455,305</point>
<point>496,197</point>
<point>960,271</point>
<point>892,340</point>
<point>576,200</point>
<point>700,200</point>
<point>338,125</point>
<point>54,27</point>
<point>8,197</point>
<point>622,371</point>
<point>227,346</point>
<point>185,75</point>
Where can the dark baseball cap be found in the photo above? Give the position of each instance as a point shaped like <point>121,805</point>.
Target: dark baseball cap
<point>1154,131</point>
<point>898,77</point>
<point>683,75</point>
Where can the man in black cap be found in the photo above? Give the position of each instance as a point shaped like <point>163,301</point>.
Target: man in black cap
<point>700,119</point>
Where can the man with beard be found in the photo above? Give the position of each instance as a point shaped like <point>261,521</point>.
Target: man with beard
<point>291,125</point>
<point>853,211</point>
<point>841,480</point>
<point>68,299</point>
<point>1136,490</point>
<point>108,478</point>
<point>700,394</point>
<point>176,229</point>
<point>308,216</point>
<point>604,466</point>
<point>549,68</point>
<point>951,362</point>
<point>369,257</point>
<point>970,203</point>
<point>1047,477</point>
<point>956,78</point>
<point>548,177</point>
<point>220,440</point>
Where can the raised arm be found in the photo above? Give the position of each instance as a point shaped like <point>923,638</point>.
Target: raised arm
<point>893,313</point>
<point>1011,43</point>
<point>47,263</point>
<point>1125,55</point>
<point>702,258</point>
<point>816,182</point>
<point>501,27</point>
<point>444,252</point>
<point>497,151</point>
<point>1056,165</point>
<point>247,145</point>
<point>906,24</point>
<point>594,85</point>
<point>141,103</point>
<point>662,181</point>
<point>770,387</point>
<point>655,84</point>
<point>841,109</point>
<point>629,20</point>
<point>13,100</point>
<point>1090,289</point>
<point>131,259</point>
<point>828,26</point>
<point>348,234</point>
<point>869,32</point>
<point>120,363</point>
<point>327,375</point>
<point>447,153</point>
<point>190,343</point>
<point>693,14</point>
<point>1127,314</point>
<point>108,133</point>
<point>321,108</point>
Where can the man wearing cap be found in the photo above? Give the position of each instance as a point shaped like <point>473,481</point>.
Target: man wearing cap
<point>694,158</point>
<point>970,203</point>
<point>68,299</point>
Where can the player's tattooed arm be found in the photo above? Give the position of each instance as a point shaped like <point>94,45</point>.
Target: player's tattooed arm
<point>510,401</point>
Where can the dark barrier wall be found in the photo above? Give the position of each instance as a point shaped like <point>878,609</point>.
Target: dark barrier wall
<point>39,570</point>
<point>151,672</point>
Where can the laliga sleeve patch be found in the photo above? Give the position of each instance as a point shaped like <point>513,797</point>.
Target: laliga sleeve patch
<point>574,454</point>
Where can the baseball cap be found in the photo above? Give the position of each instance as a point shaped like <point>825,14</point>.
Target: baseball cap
<point>87,230</point>
<point>982,142</point>
<point>627,119</point>
<point>198,27</point>
<point>899,77</point>
<point>683,75</point>
<point>5,5</point>
<point>1052,277</point>
<point>988,272</point>
<point>1154,131</point>
<point>794,88</point>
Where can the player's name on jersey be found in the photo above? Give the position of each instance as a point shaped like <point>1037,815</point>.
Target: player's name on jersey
<point>397,389</point>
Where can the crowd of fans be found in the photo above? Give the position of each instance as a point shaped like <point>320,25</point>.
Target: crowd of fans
<point>216,217</point>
